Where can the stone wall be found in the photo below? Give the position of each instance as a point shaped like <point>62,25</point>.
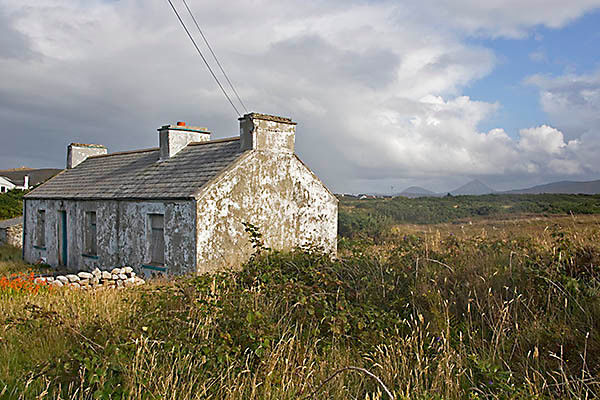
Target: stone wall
<point>12,235</point>
<point>114,278</point>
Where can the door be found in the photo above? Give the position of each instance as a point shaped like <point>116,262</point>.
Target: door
<point>62,238</point>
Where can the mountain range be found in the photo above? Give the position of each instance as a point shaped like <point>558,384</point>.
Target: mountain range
<point>476,188</point>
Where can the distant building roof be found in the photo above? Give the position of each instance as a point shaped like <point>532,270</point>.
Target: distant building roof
<point>140,175</point>
<point>36,176</point>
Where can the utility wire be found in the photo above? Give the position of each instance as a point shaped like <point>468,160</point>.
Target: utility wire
<point>203,59</point>
<point>214,56</point>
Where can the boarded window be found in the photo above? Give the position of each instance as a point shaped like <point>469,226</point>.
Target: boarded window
<point>157,239</point>
<point>41,228</point>
<point>90,233</point>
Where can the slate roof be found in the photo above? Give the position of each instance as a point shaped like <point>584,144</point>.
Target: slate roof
<point>139,175</point>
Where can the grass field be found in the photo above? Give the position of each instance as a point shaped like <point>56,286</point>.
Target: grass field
<point>498,306</point>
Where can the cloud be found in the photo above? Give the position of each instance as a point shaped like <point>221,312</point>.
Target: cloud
<point>377,87</point>
<point>571,101</point>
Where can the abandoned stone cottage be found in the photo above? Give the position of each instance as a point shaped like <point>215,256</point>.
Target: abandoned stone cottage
<point>180,207</point>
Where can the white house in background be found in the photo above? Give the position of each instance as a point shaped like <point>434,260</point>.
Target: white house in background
<point>6,185</point>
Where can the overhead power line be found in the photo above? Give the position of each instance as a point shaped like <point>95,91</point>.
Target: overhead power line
<point>203,59</point>
<point>215,56</point>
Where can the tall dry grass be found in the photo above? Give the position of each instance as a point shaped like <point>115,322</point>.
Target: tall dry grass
<point>433,314</point>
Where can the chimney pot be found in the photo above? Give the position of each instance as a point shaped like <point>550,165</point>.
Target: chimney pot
<point>180,123</point>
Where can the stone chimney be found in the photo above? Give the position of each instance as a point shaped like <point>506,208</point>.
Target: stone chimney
<point>26,182</point>
<point>78,153</point>
<point>267,133</point>
<point>174,138</point>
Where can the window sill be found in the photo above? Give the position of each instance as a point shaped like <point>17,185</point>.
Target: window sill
<point>90,256</point>
<point>39,247</point>
<point>160,268</point>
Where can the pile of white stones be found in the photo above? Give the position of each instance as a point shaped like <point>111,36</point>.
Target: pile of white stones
<point>115,278</point>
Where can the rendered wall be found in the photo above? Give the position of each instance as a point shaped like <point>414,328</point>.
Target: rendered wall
<point>273,191</point>
<point>122,233</point>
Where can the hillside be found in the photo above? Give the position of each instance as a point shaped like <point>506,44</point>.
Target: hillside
<point>473,188</point>
<point>417,191</point>
<point>567,187</point>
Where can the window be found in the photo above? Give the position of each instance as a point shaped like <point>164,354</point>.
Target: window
<point>41,228</point>
<point>157,239</point>
<point>90,233</point>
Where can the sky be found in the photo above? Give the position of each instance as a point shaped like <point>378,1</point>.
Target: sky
<point>386,94</point>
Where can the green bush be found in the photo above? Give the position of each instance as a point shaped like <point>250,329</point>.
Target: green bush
<point>11,204</point>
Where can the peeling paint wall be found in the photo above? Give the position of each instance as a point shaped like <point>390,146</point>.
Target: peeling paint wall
<point>273,191</point>
<point>122,230</point>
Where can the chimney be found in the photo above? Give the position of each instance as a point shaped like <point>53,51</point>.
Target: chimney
<point>267,133</point>
<point>174,138</point>
<point>26,182</point>
<point>78,153</point>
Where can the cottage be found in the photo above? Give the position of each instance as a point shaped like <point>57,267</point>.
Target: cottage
<point>6,184</point>
<point>181,207</point>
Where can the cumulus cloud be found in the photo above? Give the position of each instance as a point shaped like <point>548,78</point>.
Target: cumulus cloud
<point>375,86</point>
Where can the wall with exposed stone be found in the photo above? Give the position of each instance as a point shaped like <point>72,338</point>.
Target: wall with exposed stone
<point>273,191</point>
<point>122,231</point>
<point>12,235</point>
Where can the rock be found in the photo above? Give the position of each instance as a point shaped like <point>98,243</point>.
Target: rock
<point>96,272</point>
<point>75,285</point>
<point>95,281</point>
<point>126,270</point>
<point>139,281</point>
<point>72,278</point>
<point>57,283</point>
<point>119,283</point>
<point>85,275</point>
<point>62,279</point>
<point>40,280</point>
<point>122,276</point>
<point>84,282</point>
<point>129,282</point>
<point>115,277</point>
<point>49,278</point>
<point>132,274</point>
<point>116,271</point>
<point>106,275</point>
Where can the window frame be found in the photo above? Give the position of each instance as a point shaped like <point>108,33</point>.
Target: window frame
<point>156,239</point>
<point>90,234</point>
<point>40,229</point>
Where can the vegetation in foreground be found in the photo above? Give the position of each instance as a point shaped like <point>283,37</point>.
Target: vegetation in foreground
<point>11,204</point>
<point>434,313</point>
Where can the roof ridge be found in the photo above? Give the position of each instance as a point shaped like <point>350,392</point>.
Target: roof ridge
<point>231,139</point>
<point>119,153</point>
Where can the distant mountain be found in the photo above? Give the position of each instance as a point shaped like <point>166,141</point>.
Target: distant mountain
<point>417,191</point>
<point>473,188</point>
<point>566,187</point>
